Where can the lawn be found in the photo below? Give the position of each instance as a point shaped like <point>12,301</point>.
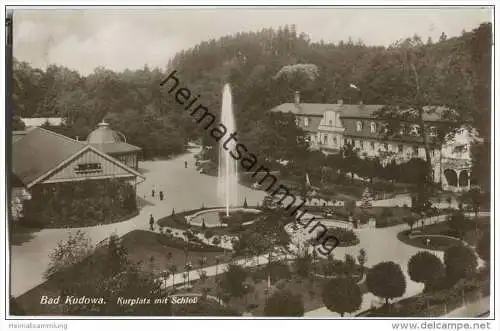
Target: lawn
<point>474,231</point>
<point>310,289</point>
<point>156,252</point>
<point>254,300</point>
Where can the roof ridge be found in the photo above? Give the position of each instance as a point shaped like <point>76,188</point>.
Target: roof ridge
<point>59,135</point>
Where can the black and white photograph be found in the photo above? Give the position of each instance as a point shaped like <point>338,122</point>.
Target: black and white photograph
<point>251,163</point>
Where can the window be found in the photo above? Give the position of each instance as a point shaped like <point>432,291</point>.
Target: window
<point>330,122</point>
<point>400,148</point>
<point>372,144</point>
<point>306,121</point>
<point>386,147</point>
<point>85,168</point>
<point>325,138</point>
<point>402,130</point>
<point>414,130</point>
<point>415,150</point>
<point>432,131</point>
<point>359,126</point>
<point>373,127</point>
<point>362,144</point>
<point>335,141</point>
<point>345,142</point>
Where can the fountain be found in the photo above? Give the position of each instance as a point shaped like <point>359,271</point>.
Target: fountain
<point>227,180</point>
<point>228,168</point>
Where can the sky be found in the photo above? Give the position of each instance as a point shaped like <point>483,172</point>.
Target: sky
<point>83,39</point>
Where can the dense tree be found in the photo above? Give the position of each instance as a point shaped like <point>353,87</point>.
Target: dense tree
<point>68,253</point>
<point>342,295</point>
<point>233,279</point>
<point>17,124</point>
<point>459,223</point>
<point>483,246</point>
<point>108,274</point>
<point>303,264</point>
<point>460,262</point>
<point>425,267</point>
<point>386,280</point>
<point>284,303</point>
<point>265,68</point>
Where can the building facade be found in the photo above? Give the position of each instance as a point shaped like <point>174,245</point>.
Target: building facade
<point>41,158</point>
<point>332,126</point>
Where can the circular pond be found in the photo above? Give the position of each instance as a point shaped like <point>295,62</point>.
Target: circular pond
<point>217,217</point>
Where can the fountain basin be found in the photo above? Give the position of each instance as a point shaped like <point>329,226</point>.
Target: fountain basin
<point>216,217</point>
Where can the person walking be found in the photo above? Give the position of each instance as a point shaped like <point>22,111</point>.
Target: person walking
<point>153,193</point>
<point>151,222</point>
<point>161,195</point>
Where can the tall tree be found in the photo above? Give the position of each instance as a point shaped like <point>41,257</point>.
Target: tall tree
<point>342,295</point>
<point>427,268</point>
<point>460,262</point>
<point>386,280</point>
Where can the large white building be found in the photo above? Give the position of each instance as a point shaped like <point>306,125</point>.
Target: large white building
<point>331,126</point>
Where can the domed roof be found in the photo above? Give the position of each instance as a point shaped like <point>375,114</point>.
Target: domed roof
<point>104,135</point>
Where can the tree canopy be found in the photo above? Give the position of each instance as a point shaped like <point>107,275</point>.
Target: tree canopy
<point>386,280</point>
<point>265,68</point>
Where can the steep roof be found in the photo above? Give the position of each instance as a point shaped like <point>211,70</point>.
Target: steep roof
<point>116,148</point>
<point>313,109</point>
<point>432,114</point>
<point>40,150</point>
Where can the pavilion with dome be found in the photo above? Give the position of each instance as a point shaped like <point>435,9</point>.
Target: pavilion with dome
<point>114,144</point>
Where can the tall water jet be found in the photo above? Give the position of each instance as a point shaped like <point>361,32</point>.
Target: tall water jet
<point>228,171</point>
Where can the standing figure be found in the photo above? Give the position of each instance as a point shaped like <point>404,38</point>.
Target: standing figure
<point>185,164</point>
<point>161,195</point>
<point>153,193</point>
<point>151,222</point>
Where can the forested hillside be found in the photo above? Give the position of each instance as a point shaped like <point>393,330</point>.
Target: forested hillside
<point>259,66</point>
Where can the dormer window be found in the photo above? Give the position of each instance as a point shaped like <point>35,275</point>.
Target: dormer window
<point>373,127</point>
<point>359,126</point>
<point>432,131</point>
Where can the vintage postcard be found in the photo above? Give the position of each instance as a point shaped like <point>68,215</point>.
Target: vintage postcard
<point>250,162</point>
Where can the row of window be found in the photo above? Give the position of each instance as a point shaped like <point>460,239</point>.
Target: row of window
<point>371,146</point>
<point>88,168</point>
<point>412,130</point>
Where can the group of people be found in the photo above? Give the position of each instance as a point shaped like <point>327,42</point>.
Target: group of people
<point>160,194</point>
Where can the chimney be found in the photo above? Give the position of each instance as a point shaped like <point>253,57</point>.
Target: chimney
<point>340,101</point>
<point>297,98</point>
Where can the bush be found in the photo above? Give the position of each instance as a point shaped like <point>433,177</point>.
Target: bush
<point>85,203</point>
<point>216,240</point>
<point>209,234</point>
